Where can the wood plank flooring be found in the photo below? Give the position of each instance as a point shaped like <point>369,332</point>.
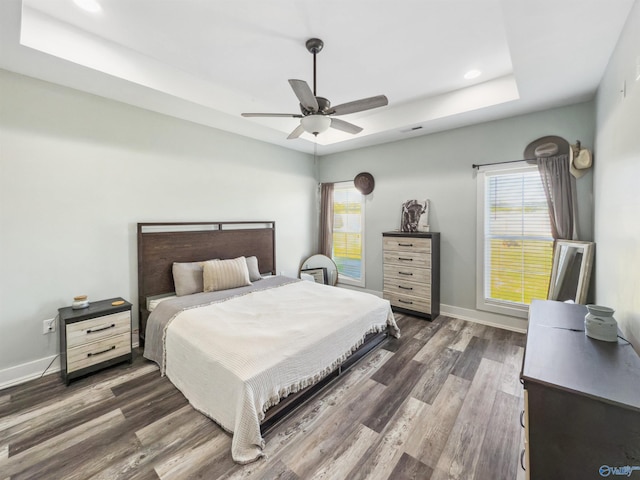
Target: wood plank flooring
<point>442,402</point>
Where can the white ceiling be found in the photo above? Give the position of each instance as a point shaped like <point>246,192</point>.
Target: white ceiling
<point>207,61</point>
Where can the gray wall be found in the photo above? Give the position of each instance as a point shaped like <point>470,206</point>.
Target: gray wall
<point>617,170</point>
<point>438,167</point>
<point>77,172</point>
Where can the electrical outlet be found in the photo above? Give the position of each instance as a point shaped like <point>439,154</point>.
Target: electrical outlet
<point>48,326</point>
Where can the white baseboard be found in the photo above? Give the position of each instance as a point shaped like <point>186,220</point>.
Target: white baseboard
<point>485,318</point>
<point>505,322</point>
<point>29,371</point>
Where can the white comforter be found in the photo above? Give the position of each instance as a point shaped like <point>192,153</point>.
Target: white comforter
<point>234,359</point>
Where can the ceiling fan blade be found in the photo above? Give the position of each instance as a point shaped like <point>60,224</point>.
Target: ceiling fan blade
<point>359,105</point>
<point>289,115</point>
<point>304,94</point>
<point>299,130</point>
<point>345,126</point>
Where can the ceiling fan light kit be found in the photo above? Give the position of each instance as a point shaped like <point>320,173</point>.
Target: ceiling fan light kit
<point>315,124</point>
<point>317,111</point>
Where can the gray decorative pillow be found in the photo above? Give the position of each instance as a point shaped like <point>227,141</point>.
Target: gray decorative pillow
<point>187,278</point>
<point>225,274</point>
<point>254,271</point>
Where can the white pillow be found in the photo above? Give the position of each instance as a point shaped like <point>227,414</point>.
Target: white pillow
<point>225,274</point>
<point>254,270</point>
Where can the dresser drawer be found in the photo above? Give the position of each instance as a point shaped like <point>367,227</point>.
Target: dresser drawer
<point>418,304</point>
<point>403,287</point>
<point>412,259</point>
<point>411,274</point>
<point>96,352</point>
<point>415,245</point>
<point>80,333</point>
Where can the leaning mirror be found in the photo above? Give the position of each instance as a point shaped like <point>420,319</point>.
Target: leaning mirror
<point>571,271</point>
<point>321,268</point>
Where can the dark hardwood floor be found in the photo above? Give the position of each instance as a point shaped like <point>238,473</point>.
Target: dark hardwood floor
<point>442,402</point>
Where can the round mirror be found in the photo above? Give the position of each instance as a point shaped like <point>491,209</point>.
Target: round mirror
<point>321,268</point>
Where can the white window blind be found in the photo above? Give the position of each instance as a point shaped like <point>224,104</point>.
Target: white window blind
<point>517,246</point>
<point>348,233</point>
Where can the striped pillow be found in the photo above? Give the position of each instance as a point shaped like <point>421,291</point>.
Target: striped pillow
<point>225,274</point>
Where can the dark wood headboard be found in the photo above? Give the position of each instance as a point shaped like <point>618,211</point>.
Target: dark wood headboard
<point>161,244</point>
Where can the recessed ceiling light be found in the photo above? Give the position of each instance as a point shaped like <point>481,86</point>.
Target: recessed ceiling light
<point>471,74</point>
<point>89,5</point>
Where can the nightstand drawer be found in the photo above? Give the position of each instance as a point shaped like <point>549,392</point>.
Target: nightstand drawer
<point>96,352</point>
<point>94,329</point>
<point>400,244</point>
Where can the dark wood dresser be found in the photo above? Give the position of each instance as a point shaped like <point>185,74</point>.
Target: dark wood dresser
<point>412,272</point>
<point>582,399</point>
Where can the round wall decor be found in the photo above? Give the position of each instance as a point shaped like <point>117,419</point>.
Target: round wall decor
<point>364,182</point>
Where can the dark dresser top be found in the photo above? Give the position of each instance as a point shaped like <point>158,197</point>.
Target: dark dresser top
<point>571,361</point>
<point>398,233</point>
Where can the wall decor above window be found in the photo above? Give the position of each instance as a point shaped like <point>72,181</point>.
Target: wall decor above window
<point>364,182</point>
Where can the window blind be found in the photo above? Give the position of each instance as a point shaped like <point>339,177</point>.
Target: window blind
<point>348,230</point>
<point>518,242</point>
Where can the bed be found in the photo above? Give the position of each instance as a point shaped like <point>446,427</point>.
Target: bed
<point>249,355</point>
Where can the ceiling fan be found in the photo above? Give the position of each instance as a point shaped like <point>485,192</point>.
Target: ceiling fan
<point>317,113</point>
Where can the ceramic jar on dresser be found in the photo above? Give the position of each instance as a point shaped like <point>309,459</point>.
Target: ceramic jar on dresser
<point>412,272</point>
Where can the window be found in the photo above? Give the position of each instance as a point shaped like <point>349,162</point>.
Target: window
<point>348,233</point>
<point>515,245</point>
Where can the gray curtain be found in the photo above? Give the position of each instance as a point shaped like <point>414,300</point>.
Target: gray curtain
<point>326,219</point>
<point>559,186</point>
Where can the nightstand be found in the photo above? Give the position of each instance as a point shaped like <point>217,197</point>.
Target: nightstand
<point>94,338</point>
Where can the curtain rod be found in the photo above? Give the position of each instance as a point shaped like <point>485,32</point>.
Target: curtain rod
<point>528,160</point>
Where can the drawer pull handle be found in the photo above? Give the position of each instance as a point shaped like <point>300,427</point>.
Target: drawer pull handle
<point>522,460</point>
<point>405,244</point>
<point>405,301</point>
<point>101,328</point>
<point>405,259</point>
<point>103,351</point>
<point>405,273</point>
<point>405,288</point>
<point>522,418</point>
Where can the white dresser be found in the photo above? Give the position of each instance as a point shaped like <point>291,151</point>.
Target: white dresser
<point>412,272</point>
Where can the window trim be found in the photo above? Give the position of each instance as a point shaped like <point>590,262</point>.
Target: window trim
<point>344,280</point>
<point>482,303</point>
